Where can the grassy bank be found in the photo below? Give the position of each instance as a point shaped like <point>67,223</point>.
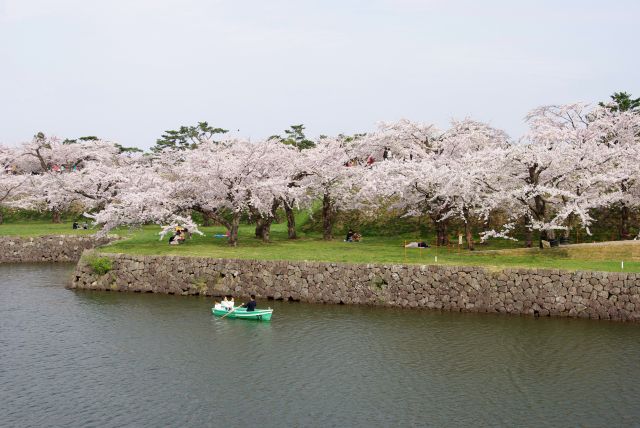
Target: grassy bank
<point>496,254</point>
<point>40,228</point>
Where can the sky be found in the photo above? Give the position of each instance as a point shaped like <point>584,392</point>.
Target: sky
<point>126,70</point>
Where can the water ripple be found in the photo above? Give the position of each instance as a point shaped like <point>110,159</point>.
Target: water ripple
<point>110,359</point>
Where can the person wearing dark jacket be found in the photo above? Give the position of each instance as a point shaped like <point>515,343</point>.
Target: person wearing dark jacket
<point>251,304</point>
<point>349,237</point>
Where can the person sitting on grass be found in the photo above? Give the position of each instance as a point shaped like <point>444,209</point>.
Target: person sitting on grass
<point>349,237</point>
<point>185,234</point>
<point>175,239</point>
<point>251,304</point>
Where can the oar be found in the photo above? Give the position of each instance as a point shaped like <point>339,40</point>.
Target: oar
<point>233,310</point>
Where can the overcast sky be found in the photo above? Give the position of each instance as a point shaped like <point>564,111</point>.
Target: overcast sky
<point>126,70</point>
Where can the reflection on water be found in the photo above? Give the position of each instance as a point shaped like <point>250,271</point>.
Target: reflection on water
<point>78,358</point>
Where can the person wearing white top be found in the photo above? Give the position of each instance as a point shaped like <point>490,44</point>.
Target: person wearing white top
<point>225,304</point>
<point>228,304</point>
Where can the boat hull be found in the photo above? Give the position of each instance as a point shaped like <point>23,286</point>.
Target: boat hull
<point>241,313</point>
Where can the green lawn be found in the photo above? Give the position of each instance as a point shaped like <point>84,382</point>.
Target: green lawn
<point>40,228</point>
<point>496,254</point>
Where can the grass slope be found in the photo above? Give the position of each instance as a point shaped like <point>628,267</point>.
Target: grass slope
<point>496,254</point>
<point>40,228</point>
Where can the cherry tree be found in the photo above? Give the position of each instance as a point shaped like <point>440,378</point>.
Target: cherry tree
<point>465,166</point>
<point>559,170</point>
<point>12,180</point>
<point>411,187</point>
<point>327,176</point>
<point>99,182</point>
<point>51,154</point>
<point>619,129</point>
<point>294,196</point>
<point>574,158</point>
<point>448,179</point>
<point>144,196</point>
<point>56,167</point>
<point>401,140</point>
<point>282,171</point>
<point>224,180</point>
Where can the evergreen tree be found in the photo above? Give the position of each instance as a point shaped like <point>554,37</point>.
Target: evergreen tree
<point>187,137</point>
<point>622,101</point>
<point>294,136</point>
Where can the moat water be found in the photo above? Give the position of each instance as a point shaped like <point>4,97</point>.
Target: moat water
<point>81,358</point>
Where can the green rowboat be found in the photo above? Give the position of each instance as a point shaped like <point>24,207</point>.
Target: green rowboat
<point>241,313</point>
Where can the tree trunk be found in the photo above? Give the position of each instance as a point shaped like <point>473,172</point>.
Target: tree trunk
<point>207,219</point>
<point>291,221</point>
<point>1,216</point>
<point>442,235</point>
<point>263,224</point>
<point>56,216</point>
<point>547,235</point>
<point>233,229</point>
<point>327,218</point>
<point>469,235</point>
<point>263,228</point>
<point>540,213</point>
<point>625,212</point>
<point>467,229</point>
<point>265,232</point>
<point>528,232</point>
<point>260,225</point>
<point>231,226</point>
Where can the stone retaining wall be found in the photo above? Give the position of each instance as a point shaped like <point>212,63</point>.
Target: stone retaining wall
<point>52,248</point>
<point>542,292</point>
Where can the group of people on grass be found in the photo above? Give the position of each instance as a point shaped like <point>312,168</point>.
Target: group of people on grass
<point>62,168</point>
<point>352,236</point>
<point>228,304</point>
<point>179,236</point>
<point>182,233</point>
<point>386,154</point>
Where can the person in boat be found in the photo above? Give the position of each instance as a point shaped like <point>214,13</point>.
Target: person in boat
<point>251,304</point>
<point>228,303</point>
